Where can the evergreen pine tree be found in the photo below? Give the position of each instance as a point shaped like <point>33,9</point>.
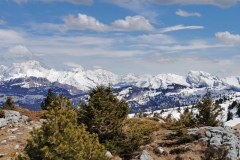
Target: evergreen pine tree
<point>209,112</point>
<point>187,119</point>
<point>48,100</point>
<point>61,138</point>
<point>104,114</point>
<point>9,104</point>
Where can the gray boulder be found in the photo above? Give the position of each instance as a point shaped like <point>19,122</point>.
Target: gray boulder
<point>145,156</point>
<point>24,118</point>
<point>216,140</point>
<point>231,155</point>
<point>3,122</point>
<point>208,134</point>
<point>13,116</point>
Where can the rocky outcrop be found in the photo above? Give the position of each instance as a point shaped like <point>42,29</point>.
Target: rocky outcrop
<point>220,136</point>
<point>12,116</point>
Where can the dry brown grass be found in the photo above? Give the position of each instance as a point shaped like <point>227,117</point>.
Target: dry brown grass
<point>195,151</point>
<point>236,126</point>
<point>32,115</point>
<point>22,133</point>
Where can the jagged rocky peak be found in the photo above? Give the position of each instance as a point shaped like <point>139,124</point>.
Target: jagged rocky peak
<point>202,79</point>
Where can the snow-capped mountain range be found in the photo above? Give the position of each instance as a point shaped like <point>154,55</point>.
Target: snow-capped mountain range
<point>87,79</point>
<point>28,83</point>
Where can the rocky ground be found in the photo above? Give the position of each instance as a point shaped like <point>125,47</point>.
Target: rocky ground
<point>14,132</point>
<point>14,135</point>
<point>210,142</point>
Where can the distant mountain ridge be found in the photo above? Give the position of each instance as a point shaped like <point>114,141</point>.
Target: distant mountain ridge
<point>88,79</point>
<point>28,83</point>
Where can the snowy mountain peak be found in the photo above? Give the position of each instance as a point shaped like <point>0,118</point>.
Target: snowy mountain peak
<point>87,79</point>
<point>78,69</point>
<point>202,79</point>
<point>27,65</point>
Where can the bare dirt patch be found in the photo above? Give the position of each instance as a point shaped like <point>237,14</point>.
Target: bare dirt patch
<point>13,137</point>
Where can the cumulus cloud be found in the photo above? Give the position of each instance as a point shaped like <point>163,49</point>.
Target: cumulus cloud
<point>133,23</point>
<point>2,21</point>
<point>187,14</point>
<point>86,2</point>
<point>228,38</point>
<point>85,22</point>
<point>180,27</point>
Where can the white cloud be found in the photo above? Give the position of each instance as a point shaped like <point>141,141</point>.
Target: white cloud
<point>72,64</point>
<point>154,39</point>
<point>180,27</point>
<point>139,7</point>
<point>10,37</point>
<point>133,23</point>
<point>187,14</point>
<point>85,22</point>
<point>48,26</point>
<point>189,47</point>
<point>228,38</point>
<point>19,51</point>
<point>182,64</point>
<point>219,3</point>
<point>86,2</point>
<point>2,21</point>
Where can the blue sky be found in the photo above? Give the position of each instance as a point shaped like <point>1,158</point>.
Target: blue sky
<point>123,36</point>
